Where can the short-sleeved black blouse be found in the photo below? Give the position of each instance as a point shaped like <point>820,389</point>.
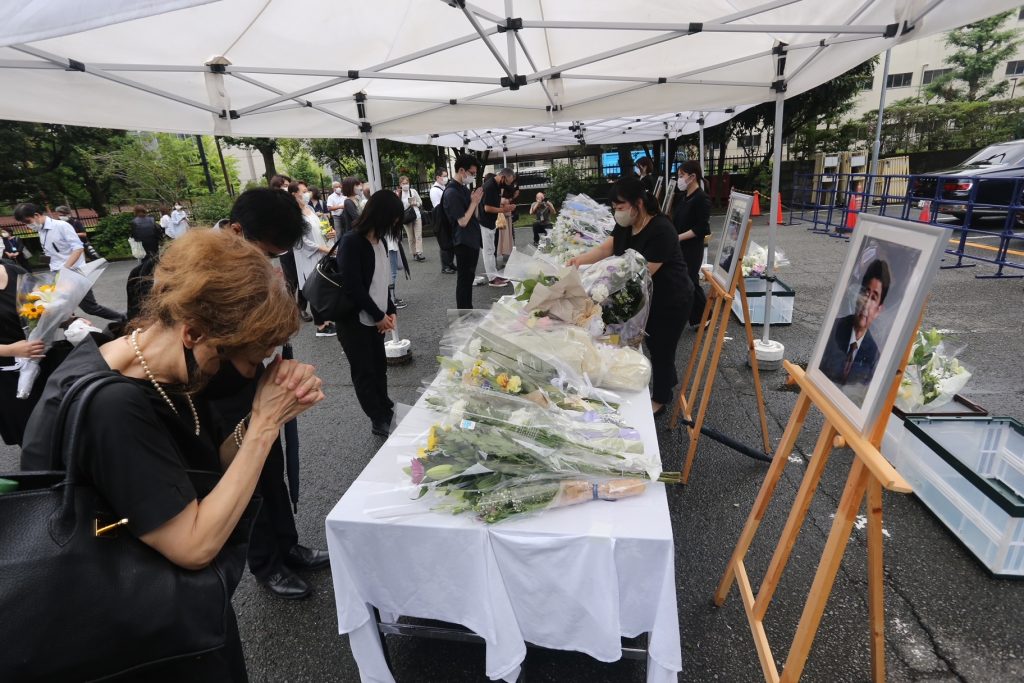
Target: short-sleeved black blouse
<point>659,243</point>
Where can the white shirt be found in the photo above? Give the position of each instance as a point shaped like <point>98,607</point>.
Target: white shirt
<point>336,203</point>
<point>436,192</point>
<point>411,197</point>
<point>58,240</point>
<point>178,224</point>
<point>165,223</point>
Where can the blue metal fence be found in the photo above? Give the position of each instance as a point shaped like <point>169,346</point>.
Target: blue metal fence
<point>831,203</point>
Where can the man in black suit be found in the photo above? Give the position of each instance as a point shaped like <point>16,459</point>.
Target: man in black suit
<point>851,353</point>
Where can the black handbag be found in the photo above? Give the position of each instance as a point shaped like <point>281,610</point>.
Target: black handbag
<point>409,216</point>
<point>325,290</point>
<point>79,604</point>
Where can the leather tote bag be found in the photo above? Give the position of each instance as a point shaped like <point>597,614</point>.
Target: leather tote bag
<point>79,606</point>
<point>325,291</point>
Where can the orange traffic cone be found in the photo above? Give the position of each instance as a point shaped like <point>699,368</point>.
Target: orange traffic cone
<point>852,212</point>
<point>756,211</point>
<point>926,213</point>
<point>778,219</point>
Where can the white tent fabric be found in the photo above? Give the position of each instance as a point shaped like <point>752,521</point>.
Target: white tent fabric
<point>549,136</point>
<point>411,67</point>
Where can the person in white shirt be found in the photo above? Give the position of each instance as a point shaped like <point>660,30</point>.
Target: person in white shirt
<point>165,220</point>
<point>413,230</point>
<point>179,223</point>
<point>444,242</point>
<point>64,248</point>
<point>336,205</point>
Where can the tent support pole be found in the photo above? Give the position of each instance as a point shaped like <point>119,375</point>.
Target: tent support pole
<point>668,166</point>
<point>780,99</point>
<point>876,147</point>
<point>700,141</point>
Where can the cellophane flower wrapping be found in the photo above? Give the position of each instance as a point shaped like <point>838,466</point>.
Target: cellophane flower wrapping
<point>933,375</point>
<point>44,301</point>
<point>755,261</point>
<point>582,224</point>
<point>622,286</point>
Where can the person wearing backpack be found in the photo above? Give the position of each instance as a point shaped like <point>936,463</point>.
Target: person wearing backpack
<point>442,230</point>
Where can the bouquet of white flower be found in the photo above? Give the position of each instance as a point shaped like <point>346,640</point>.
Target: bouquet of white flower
<point>755,262</point>
<point>623,287</point>
<point>582,224</point>
<point>932,377</point>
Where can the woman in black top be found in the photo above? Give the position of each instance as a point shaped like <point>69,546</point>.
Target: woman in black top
<point>14,412</point>
<point>648,178</point>
<point>144,230</point>
<point>692,218</point>
<point>216,299</point>
<point>351,188</point>
<point>641,227</point>
<point>366,273</point>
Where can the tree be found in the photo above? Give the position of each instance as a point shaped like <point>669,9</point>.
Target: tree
<point>265,146</point>
<point>980,48</point>
<point>299,163</point>
<point>343,155</point>
<point>51,164</point>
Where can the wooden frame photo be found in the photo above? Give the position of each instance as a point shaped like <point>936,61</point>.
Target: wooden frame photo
<point>737,222</point>
<point>874,313</point>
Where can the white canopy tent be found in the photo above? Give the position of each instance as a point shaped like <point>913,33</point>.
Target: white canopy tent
<point>414,67</point>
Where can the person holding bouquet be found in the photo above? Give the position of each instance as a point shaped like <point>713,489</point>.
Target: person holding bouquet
<point>366,272</point>
<point>640,225</point>
<point>14,413</point>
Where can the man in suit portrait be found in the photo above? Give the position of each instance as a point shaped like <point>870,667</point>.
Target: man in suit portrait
<point>851,354</point>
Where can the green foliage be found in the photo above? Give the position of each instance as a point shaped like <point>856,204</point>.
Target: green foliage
<point>50,164</point>
<point>909,127</point>
<point>343,155</point>
<point>299,163</point>
<point>565,179</point>
<point>110,236</point>
<point>979,49</point>
<point>208,209</point>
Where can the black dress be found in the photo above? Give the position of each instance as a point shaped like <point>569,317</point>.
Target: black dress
<point>693,212</point>
<point>139,453</point>
<point>670,301</point>
<point>15,412</point>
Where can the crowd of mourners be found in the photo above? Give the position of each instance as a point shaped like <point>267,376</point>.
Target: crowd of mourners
<point>202,355</point>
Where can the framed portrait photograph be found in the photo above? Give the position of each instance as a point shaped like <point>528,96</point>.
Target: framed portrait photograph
<point>737,221</point>
<point>874,312</point>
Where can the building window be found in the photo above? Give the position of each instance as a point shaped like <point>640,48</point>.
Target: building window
<point>527,164</point>
<point>899,80</point>
<point>933,75</point>
<point>1015,68</point>
<point>749,140</point>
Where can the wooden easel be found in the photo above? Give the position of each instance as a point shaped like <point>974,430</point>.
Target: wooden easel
<point>869,473</point>
<point>710,337</point>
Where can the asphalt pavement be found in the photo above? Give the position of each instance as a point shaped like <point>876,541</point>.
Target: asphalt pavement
<point>947,618</point>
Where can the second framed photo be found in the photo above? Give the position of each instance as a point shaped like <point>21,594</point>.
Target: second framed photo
<point>874,312</point>
<point>737,222</point>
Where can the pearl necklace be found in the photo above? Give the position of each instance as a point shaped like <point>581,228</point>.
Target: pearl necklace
<point>159,389</point>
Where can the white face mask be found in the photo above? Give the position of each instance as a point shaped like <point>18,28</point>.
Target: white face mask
<point>625,217</point>
<point>681,184</point>
<point>306,196</point>
<point>337,190</point>
<point>469,180</point>
<point>443,180</point>
<point>405,188</point>
<point>359,190</point>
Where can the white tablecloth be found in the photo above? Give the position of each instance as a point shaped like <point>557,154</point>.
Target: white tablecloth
<point>574,578</point>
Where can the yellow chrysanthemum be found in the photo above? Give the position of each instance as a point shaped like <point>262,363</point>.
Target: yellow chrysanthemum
<point>48,289</point>
<point>422,454</point>
<point>503,380</point>
<point>515,384</point>
<point>431,440</point>
<point>33,296</point>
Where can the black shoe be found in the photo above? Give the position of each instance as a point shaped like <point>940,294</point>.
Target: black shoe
<point>401,303</point>
<point>284,584</point>
<point>380,427</point>
<point>419,257</point>
<point>328,330</point>
<point>305,317</point>
<point>449,271</point>
<point>301,557</point>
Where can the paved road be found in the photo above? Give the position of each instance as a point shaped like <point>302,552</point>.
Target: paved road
<point>947,619</point>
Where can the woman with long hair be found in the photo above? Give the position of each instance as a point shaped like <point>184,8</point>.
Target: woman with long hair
<point>640,226</point>
<point>366,274</point>
<point>691,215</point>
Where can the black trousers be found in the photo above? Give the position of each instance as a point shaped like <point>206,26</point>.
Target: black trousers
<point>664,327</point>
<point>291,277</point>
<point>93,307</point>
<point>364,348</point>
<point>273,530</point>
<point>539,229</point>
<point>447,259</point>
<point>466,259</point>
<point>693,253</point>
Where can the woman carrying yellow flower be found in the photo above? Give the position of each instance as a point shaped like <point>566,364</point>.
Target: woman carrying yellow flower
<point>13,345</point>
